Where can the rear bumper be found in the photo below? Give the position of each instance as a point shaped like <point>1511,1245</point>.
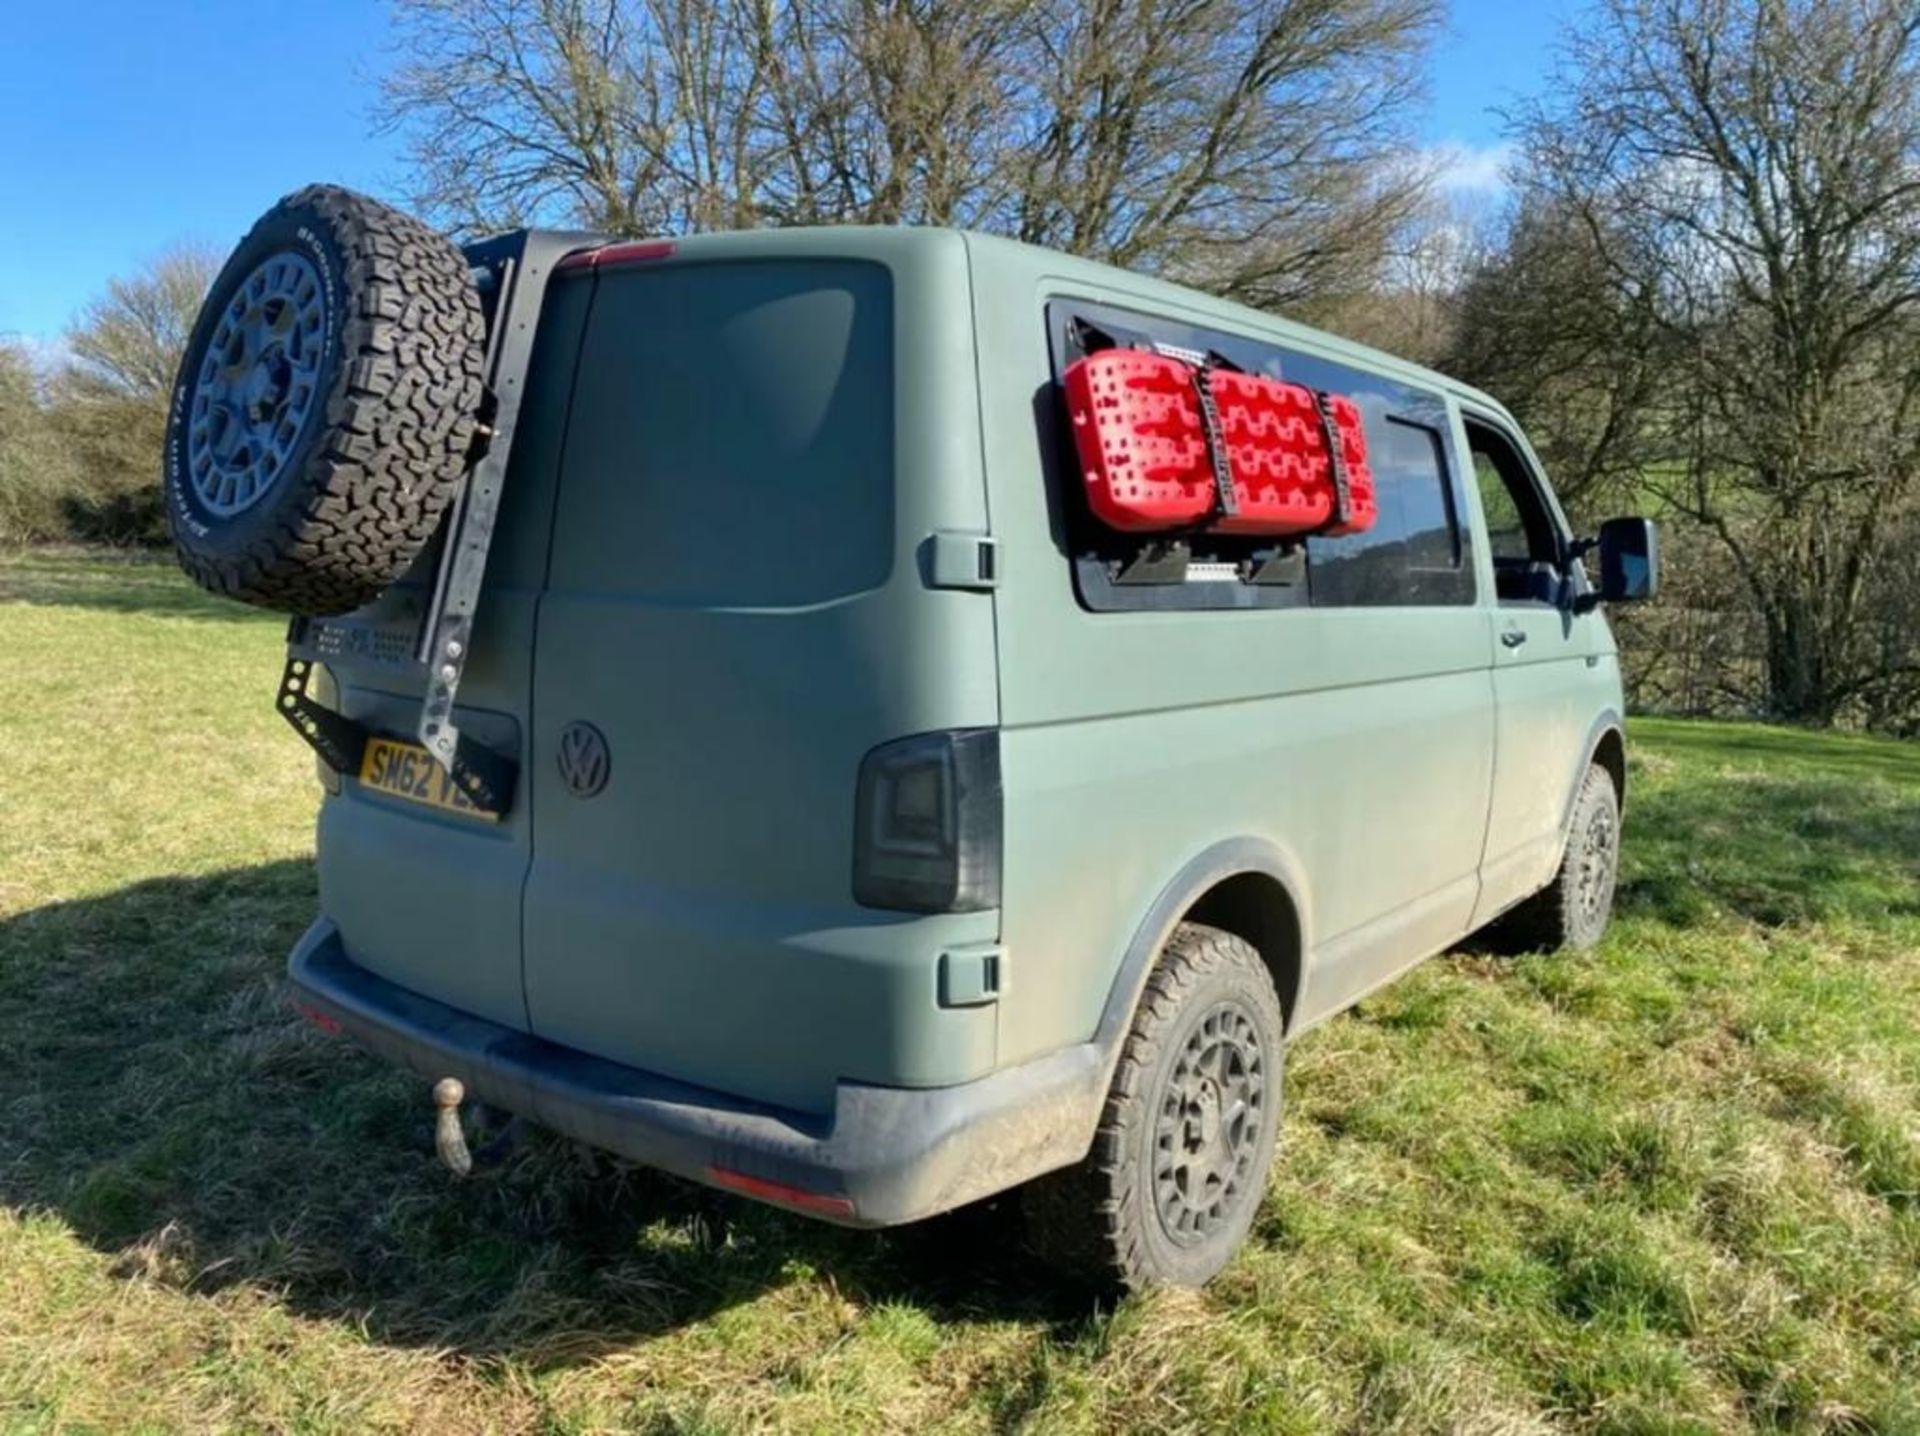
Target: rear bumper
<point>883,1156</point>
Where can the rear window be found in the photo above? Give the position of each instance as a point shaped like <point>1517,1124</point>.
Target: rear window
<point>732,435</point>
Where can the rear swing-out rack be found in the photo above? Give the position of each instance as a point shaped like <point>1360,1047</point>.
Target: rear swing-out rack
<point>511,272</point>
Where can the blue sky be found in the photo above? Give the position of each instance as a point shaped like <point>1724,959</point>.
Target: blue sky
<point>129,125</point>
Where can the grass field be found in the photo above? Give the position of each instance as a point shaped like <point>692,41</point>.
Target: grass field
<point>1674,1186</point>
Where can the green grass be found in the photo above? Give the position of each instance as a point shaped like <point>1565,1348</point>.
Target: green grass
<point>1671,1187</point>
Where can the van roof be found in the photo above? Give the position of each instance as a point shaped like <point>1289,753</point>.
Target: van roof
<point>1042,265</point>
<point>1162,294</point>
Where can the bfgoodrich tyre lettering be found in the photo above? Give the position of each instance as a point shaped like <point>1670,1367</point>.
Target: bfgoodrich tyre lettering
<point>325,406</point>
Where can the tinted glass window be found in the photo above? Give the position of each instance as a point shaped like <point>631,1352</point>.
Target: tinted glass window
<point>1412,554</point>
<point>732,435</point>
<point>1415,553</point>
<point>1527,564</point>
<point>1506,531</point>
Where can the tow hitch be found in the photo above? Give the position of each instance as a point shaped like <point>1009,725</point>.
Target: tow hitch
<point>450,1137</point>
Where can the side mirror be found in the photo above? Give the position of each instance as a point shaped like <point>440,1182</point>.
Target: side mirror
<point>1629,562</point>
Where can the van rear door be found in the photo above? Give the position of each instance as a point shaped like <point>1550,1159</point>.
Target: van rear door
<point>426,897</point>
<point>735,616</point>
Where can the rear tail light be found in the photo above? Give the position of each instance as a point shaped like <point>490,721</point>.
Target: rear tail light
<point>927,826</point>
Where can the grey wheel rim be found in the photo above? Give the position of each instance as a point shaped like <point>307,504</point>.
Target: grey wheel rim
<point>1208,1128</point>
<point>256,384</point>
<point>1599,863</point>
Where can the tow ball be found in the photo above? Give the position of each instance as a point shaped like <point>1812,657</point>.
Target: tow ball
<point>450,1136</point>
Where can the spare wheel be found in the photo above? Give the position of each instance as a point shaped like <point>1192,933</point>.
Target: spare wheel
<point>326,405</point>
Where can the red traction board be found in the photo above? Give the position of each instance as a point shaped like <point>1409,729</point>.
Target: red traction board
<point>1143,448</point>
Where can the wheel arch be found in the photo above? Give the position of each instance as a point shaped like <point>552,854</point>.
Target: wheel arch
<point>1610,752</point>
<point>1246,886</point>
<point>1606,745</point>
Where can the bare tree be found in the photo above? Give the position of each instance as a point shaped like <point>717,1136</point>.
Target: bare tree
<point>1541,320</point>
<point>1411,306</point>
<point>1257,147</point>
<point>35,471</point>
<point>108,403</point>
<point>128,341</point>
<point>1745,175</point>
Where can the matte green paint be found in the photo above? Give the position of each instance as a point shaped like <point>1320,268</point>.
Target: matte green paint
<point>695,919</point>
<point>432,902</point>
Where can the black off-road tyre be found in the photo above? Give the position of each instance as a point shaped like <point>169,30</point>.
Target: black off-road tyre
<point>1571,913</point>
<point>1123,1219</point>
<point>326,405</point>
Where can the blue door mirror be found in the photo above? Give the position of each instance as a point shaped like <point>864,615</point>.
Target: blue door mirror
<point>1629,560</point>
<point>1629,552</point>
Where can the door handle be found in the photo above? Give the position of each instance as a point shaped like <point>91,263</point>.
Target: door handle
<point>1513,637</point>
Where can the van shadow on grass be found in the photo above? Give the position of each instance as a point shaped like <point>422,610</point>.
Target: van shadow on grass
<point>157,1095</point>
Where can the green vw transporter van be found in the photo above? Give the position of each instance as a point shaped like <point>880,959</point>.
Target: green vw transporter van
<point>745,752</point>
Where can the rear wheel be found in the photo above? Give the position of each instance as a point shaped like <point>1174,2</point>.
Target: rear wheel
<point>1180,1160</point>
<point>325,407</point>
<point>1572,912</point>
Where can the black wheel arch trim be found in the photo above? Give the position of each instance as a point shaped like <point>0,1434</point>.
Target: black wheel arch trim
<point>1229,858</point>
<point>1608,723</point>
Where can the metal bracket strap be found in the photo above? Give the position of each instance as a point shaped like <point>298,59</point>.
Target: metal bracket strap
<point>1155,563</point>
<point>340,742</point>
<point>516,268</point>
<point>1336,460</point>
<point>1226,503</point>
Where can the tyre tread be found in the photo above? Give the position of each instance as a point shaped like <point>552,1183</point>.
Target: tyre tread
<point>396,430</point>
<point>1088,1220</point>
<point>1546,922</point>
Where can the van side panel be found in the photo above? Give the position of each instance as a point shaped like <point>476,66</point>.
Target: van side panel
<point>1357,741</point>
<point>695,919</point>
<point>1374,789</point>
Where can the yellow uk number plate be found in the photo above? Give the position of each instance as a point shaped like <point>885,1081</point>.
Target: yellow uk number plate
<point>406,770</point>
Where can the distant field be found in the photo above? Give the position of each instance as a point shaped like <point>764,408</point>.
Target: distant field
<point>1671,1187</point>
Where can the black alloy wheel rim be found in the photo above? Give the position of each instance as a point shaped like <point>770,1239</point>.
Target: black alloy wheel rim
<point>1208,1127</point>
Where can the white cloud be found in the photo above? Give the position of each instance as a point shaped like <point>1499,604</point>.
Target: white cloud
<point>1469,169</point>
<point>46,352</point>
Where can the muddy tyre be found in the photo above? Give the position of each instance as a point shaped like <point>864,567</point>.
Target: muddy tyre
<point>1180,1160</point>
<point>1571,913</point>
<point>325,406</point>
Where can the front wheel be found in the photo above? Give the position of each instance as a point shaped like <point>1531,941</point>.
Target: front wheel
<point>1180,1161</point>
<point>1571,912</point>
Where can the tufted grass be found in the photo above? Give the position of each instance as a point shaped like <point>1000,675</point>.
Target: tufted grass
<point>1672,1187</point>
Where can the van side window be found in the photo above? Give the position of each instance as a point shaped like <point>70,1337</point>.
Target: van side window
<point>1528,556</point>
<point>1417,553</point>
<point>1413,553</point>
